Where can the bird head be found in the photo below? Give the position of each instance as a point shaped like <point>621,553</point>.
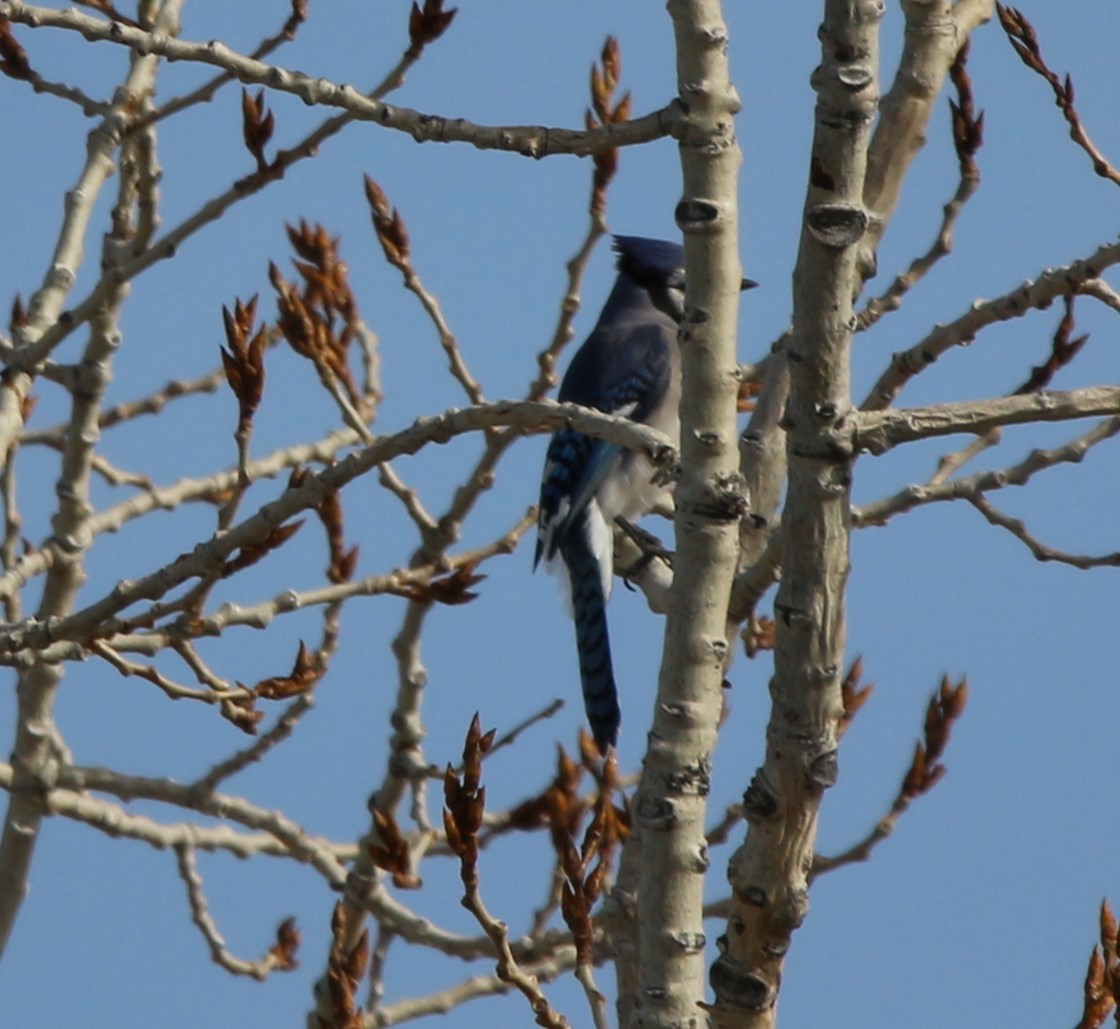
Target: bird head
<point>658,267</point>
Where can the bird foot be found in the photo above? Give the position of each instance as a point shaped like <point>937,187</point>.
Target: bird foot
<point>650,545</point>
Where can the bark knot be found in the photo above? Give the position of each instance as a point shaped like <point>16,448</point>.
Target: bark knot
<point>759,801</point>
<point>737,986</point>
<point>697,214</point>
<point>837,225</point>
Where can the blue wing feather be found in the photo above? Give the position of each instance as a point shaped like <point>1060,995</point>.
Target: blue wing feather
<point>576,466</point>
<point>607,379</point>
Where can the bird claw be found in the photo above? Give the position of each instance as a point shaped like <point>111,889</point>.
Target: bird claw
<point>650,546</point>
<point>667,474</point>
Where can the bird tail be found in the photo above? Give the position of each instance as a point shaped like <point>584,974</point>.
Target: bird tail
<point>589,609</point>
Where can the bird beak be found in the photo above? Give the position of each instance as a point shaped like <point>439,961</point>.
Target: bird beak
<point>747,284</point>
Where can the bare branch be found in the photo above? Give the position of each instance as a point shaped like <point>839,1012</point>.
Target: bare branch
<point>569,306</point>
<point>284,727</point>
<point>466,800</point>
<point>1063,350</point>
<point>114,821</point>
<point>878,431</point>
<point>37,741</point>
<point>206,92</point>
<point>527,140</point>
<point>389,226</point>
<point>847,183</point>
<point>940,489</point>
<point>934,33</point>
<point>663,971</point>
<point>275,960</point>
<point>407,768</point>
<point>1031,295</point>
<point>172,689</point>
<point>64,91</point>
<point>1041,551</point>
<point>1102,291</point>
<point>509,737</point>
<point>297,843</point>
<point>525,417</point>
<point>1024,40</point>
<point>967,136</point>
<point>443,1001</point>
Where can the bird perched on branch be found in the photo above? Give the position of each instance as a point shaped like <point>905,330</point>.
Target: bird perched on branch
<point>630,366</point>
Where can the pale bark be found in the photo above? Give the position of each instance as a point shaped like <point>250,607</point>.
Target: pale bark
<point>879,431</point>
<point>803,432</point>
<point>935,32</point>
<point>769,873</point>
<point>670,805</point>
<point>524,416</point>
<point>527,140</point>
<point>36,751</point>
<point>854,191</point>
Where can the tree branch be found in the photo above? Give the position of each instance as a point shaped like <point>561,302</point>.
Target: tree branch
<point>935,31</point>
<point>35,751</point>
<point>781,805</point>
<point>1031,295</point>
<point>1040,550</point>
<point>878,431</point>
<point>938,490</point>
<point>526,140</point>
<point>200,915</point>
<point>671,801</point>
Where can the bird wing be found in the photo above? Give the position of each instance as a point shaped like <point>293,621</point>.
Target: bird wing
<point>623,372</point>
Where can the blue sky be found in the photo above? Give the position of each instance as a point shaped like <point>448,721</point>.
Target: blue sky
<point>990,883</point>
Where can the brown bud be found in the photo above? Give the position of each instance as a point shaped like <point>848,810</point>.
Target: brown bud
<point>283,953</point>
<point>426,24</point>
<point>13,58</point>
<point>257,126</point>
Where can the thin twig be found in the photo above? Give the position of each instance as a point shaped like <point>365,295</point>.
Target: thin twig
<point>879,431</point>
<point>1024,40</point>
<point>405,582</point>
<point>1030,295</point>
<point>509,737</point>
<point>206,92</point>
<point>284,727</point>
<point>880,511</point>
<point>1041,551</point>
<point>597,1002</point>
<point>967,135</point>
<point>1102,291</point>
<point>200,915</point>
<point>526,140</point>
<point>923,774</point>
<point>173,690</point>
<point>721,831</point>
<point>378,957</point>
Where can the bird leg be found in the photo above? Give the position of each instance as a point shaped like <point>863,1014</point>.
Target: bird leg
<point>650,546</point>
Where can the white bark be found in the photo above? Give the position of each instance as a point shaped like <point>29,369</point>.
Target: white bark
<point>768,874</point>
<point>671,802</point>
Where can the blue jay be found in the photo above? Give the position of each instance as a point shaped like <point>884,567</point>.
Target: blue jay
<point>629,365</point>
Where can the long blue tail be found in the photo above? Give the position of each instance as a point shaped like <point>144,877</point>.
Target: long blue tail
<point>589,606</point>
